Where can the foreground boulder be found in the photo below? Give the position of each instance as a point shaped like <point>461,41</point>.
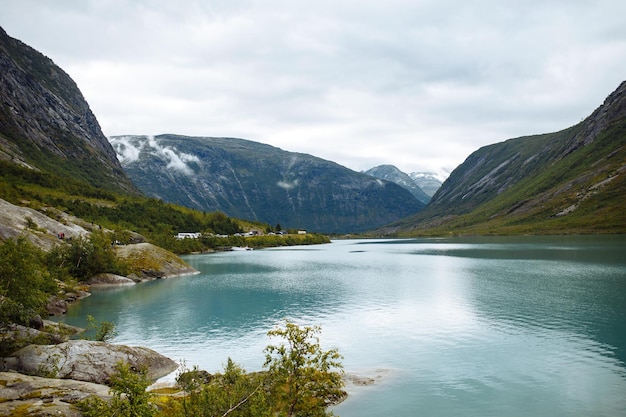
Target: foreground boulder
<point>31,395</point>
<point>85,360</point>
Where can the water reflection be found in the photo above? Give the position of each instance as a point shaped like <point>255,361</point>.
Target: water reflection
<point>504,326</point>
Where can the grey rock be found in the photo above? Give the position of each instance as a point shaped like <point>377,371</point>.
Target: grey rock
<point>15,220</point>
<point>107,280</point>
<point>166,263</point>
<point>56,306</point>
<point>15,336</point>
<point>36,322</point>
<point>85,360</point>
<point>38,396</point>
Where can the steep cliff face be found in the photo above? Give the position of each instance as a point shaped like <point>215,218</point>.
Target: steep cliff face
<point>255,181</point>
<point>569,180</point>
<point>45,122</point>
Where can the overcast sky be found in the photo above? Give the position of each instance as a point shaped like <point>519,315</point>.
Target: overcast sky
<point>419,84</point>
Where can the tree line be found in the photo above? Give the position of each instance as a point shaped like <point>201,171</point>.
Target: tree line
<point>29,276</point>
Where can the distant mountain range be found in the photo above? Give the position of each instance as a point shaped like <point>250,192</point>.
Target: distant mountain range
<point>255,181</point>
<point>572,181</point>
<point>429,182</point>
<point>413,182</point>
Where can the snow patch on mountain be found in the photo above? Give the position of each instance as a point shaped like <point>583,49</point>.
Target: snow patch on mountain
<point>440,175</point>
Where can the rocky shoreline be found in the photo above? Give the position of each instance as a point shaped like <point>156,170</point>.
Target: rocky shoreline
<point>31,395</point>
<point>50,380</point>
<point>48,373</point>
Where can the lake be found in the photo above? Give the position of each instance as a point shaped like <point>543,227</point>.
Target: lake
<point>506,326</point>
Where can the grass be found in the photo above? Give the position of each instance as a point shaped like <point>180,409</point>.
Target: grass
<point>564,174</point>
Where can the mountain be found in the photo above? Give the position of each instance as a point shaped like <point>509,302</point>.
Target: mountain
<point>429,182</point>
<point>572,181</point>
<point>46,124</point>
<point>393,174</point>
<point>255,181</point>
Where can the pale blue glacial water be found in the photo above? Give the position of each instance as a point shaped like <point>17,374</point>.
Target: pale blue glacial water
<point>525,326</point>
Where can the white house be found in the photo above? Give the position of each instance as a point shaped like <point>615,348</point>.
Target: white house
<point>184,235</point>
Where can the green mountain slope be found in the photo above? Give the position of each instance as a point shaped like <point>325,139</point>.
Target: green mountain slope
<point>572,181</point>
<point>46,124</point>
<point>251,180</point>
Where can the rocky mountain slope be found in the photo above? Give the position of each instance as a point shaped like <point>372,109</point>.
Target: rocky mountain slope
<point>46,124</point>
<point>393,174</point>
<point>41,228</point>
<point>564,182</point>
<point>254,181</point>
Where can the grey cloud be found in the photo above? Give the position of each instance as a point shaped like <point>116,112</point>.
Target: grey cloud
<point>419,84</point>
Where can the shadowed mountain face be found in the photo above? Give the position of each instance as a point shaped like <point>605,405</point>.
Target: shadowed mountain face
<point>564,182</point>
<point>45,123</point>
<point>251,180</point>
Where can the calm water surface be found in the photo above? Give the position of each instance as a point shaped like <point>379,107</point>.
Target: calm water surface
<point>448,327</point>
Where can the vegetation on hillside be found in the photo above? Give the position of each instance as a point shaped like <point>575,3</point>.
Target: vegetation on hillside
<point>545,184</point>
<point>159,222</point>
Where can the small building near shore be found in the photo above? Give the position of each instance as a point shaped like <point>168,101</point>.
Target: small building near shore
<point>184,235</point>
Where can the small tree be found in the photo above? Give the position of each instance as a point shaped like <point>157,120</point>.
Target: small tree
<point>233,393</point>
<point>130,398</point>
<point>305,379</point>
<point>129,389</point>
<point>104,330</point>
<point>25,283</point>
<point>85,257</point>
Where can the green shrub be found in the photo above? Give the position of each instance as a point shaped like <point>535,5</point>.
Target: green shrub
<point>130,398</point>
<point>86,257</point>
<point>25,282</point>
<point>305,380</point>
<point>104,330</point>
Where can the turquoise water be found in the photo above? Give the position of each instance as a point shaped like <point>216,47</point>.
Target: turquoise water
<point>531,326</point>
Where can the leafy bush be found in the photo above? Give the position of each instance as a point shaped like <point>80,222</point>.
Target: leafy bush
<point>232,393</point>
<point>25,282</point>
<point>86,257</point>
<point>130,398</point>
<point>301,380</point>
<point>104,330</point>
<point>304,378</point>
